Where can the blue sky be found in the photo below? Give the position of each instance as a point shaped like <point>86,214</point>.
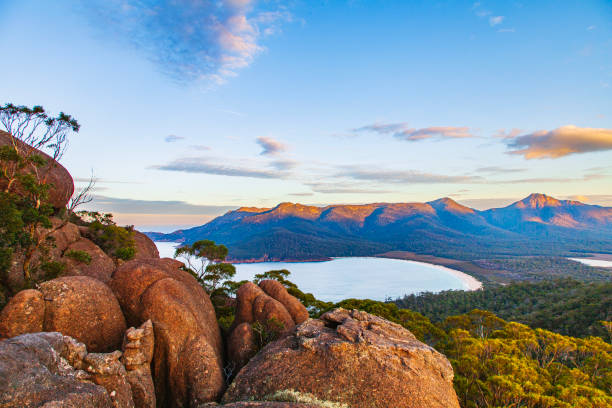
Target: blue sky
<point>189,108</point>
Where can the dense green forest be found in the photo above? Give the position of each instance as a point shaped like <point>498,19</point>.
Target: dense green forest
<point>564,306</point>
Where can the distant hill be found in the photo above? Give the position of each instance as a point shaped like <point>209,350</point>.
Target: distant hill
<point>537,225</point>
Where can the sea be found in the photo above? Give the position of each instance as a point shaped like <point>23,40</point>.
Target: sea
<point>356,277</point>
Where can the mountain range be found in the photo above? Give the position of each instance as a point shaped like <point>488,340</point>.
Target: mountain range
<point>536,225</point>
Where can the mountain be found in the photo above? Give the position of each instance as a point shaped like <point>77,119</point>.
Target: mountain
<point>537,225</point>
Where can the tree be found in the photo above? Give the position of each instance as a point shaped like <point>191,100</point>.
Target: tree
<point>205,259</point>
<point>24,222</point>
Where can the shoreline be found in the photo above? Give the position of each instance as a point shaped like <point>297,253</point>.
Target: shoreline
<point>468,280</point>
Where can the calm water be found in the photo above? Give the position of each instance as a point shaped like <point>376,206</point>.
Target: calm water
<point>343,278</point>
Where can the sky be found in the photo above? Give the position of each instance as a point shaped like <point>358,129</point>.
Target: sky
<point>191,108</point>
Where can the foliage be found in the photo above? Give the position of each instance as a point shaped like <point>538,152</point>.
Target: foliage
<point>79,256</point>
<point>509,364</point>
<point>541,268</point>
<point>205,260</point>
<point>24,208</point>
<point>114,240</point>
<point>266,332</point>
<point>304,398</point>
<point>564,306</point>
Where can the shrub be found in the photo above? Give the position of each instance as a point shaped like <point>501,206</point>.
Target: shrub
<point>79,256</point>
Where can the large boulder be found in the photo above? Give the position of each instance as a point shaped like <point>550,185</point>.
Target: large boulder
<point>276,290</point>
<point>269,305</point>
<point>350,357</point>
<point>145,247</point>
<point>254,305</point>
<point>187,360</point>
<point>86,309</point>
<point>24,313</point>
<point>100,267</point>
<point>35,372</point>
<point>52,173</point>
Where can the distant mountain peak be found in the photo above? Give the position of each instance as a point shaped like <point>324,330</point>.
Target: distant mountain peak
<point>451,205</point>
<point>537,200</point>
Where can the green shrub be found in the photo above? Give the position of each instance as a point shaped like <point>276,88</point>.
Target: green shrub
<point>79,256</point>
<point>114,240</point>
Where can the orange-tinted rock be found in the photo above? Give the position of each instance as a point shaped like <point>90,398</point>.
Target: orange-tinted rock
<point>145,248</point>
<point>101,266</point>
<point>86,309</point>
<point>254,305</point>
<point>138,346</point>
<point>350,357</point>
<point>269,404</point>
<point>187,361</point>
<point>60,236</point>
<point>24,313</point>
<point>34,373</point>
<point>52,173</point>
<point>296,309</point>
<point>241,346</point>
<point>106,370</point>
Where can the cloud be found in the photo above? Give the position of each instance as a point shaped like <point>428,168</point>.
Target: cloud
<point>201,165</point>
<point>173,138</point>
<point>270,146</point>
<point>402,176</point>
<point>561,142</point>
<point>498,170</point>
<point>284,164</point>
<point>495,20</point>
<point>301,194</point>
<point>191,39</point>
<point>512,133</point>
<point>131,206</point>
<point>344,188</point>
<point>200,147</point>
<point>403,132</point>
<point>591,28</point>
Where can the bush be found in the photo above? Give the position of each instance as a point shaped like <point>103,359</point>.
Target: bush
<point>79,256</point>
<point>114,240</point>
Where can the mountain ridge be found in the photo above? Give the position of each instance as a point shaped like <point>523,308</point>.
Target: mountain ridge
<point>439,227</point>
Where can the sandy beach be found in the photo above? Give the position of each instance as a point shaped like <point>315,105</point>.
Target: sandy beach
<point>471,282</point>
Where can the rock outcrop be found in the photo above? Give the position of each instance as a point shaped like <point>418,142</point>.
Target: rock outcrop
<point>187,360</point>
<point>268,304</point>
<point>145,247</point>
<point>52,173</point>
<point>35,372</point>
<point>296,309</point>
<point>138,346</point>
<point>100,267</point>
<point>350,357</point>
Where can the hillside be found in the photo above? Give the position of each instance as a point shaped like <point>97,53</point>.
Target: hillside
<point>537,225</point>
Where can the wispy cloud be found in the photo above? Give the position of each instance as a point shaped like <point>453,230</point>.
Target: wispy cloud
<point>199,147</point>
<point>204,165</point>
<point>344,188</point>
<point>402,176</point>
<point>404,132</point>
<point>498,170</point>
<point>495,20</point>
<point>131,206</point>
<point>561,142</point>
<point>173,138</point>
<point>270,146</point>
<point>591,28</point>
<point>191,40</point>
